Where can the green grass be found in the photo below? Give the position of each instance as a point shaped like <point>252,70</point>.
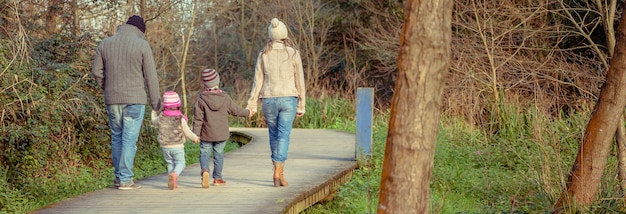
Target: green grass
<point>516,164</point>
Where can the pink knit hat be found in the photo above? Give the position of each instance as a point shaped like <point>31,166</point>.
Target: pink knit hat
<point>171,100</point>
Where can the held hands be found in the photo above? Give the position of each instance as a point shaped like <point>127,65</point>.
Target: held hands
<point>154,117</point>
<point>197,140</point>
<point>154,114</point>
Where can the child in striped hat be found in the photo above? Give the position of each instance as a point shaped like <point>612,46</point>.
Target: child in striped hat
<point>210,122</point>
<point>173,129</point>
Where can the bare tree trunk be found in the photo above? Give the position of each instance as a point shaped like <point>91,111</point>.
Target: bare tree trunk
<point>75,27</point>
<point>244,25</point>
<point>142,8</point>
<point>53,13</point>
<point>423,60</point>
<point>184,59</point>
<point>608,17</point>
<point>215,42</point>
<point>130,8</point>
<point>584,179</point>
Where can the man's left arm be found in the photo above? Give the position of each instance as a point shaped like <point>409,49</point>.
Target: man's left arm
<point>151,79</point>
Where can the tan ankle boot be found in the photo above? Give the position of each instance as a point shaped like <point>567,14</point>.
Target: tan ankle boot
<point>279,179</point>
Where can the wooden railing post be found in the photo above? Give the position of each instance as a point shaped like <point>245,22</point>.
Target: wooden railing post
<point>364,114</point>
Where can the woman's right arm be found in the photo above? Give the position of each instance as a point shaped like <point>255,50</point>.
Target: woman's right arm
<point>257,84</point>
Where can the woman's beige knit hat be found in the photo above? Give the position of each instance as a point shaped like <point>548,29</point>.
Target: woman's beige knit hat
<point>277,30</point>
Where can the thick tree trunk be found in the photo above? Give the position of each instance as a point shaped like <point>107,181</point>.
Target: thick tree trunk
<point>423,61</point>
<point>584,179</point>
<point>608,19</point>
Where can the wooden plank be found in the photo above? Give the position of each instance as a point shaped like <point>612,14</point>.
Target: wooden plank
<point>319,161</point>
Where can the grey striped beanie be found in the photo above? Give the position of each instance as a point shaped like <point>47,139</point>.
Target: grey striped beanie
<point>210,78</point>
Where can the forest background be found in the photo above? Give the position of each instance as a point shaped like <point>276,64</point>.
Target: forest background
<point>518,68</point>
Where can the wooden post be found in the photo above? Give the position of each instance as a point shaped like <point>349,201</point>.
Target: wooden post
<point>364,114</point>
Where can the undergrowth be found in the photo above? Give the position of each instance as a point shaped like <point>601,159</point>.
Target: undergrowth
<point>37,192</point>
<point>517,164</point>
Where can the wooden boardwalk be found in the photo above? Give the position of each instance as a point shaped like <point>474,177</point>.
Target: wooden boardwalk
<point>319,162</point>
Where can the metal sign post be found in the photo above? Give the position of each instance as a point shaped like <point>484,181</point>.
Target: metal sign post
<point>364,115</point>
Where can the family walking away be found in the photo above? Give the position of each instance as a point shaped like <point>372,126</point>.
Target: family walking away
<point>124,68</point>
<point>210,122</point>
<point>279,85</point>
<point>173,129</point>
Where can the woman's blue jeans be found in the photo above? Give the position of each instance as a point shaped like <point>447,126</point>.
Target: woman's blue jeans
<point>218,157</point>
<point>279,113</point>
<point>125,123</point>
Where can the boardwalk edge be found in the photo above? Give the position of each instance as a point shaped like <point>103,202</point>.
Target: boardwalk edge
<point>317,194</point>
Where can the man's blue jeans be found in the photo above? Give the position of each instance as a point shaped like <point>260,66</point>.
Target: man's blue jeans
<point>125,123</point>
<point>175,159</point>
<point>279,113</point>
<point>218,157</point>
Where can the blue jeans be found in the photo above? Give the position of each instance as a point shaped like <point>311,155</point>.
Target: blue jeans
<point>218,157</point>
<point>125,123</point>
<point>175,159</point>
<point>279,113</point>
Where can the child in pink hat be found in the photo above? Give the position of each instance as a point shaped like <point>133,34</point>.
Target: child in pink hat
<point>173,129</point>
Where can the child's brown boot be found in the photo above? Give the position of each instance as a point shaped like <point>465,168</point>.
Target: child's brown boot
<point>172,180</point>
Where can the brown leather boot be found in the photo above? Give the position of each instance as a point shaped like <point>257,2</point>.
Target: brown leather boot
<point>279,179</point>
<point>172,182</point>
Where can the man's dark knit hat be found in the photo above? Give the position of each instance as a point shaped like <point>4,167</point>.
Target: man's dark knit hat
<point>138,22</point>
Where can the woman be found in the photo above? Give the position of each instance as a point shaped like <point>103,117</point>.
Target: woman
<point>279,84</point>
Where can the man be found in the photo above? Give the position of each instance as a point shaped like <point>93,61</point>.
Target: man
<point>124,68</point>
